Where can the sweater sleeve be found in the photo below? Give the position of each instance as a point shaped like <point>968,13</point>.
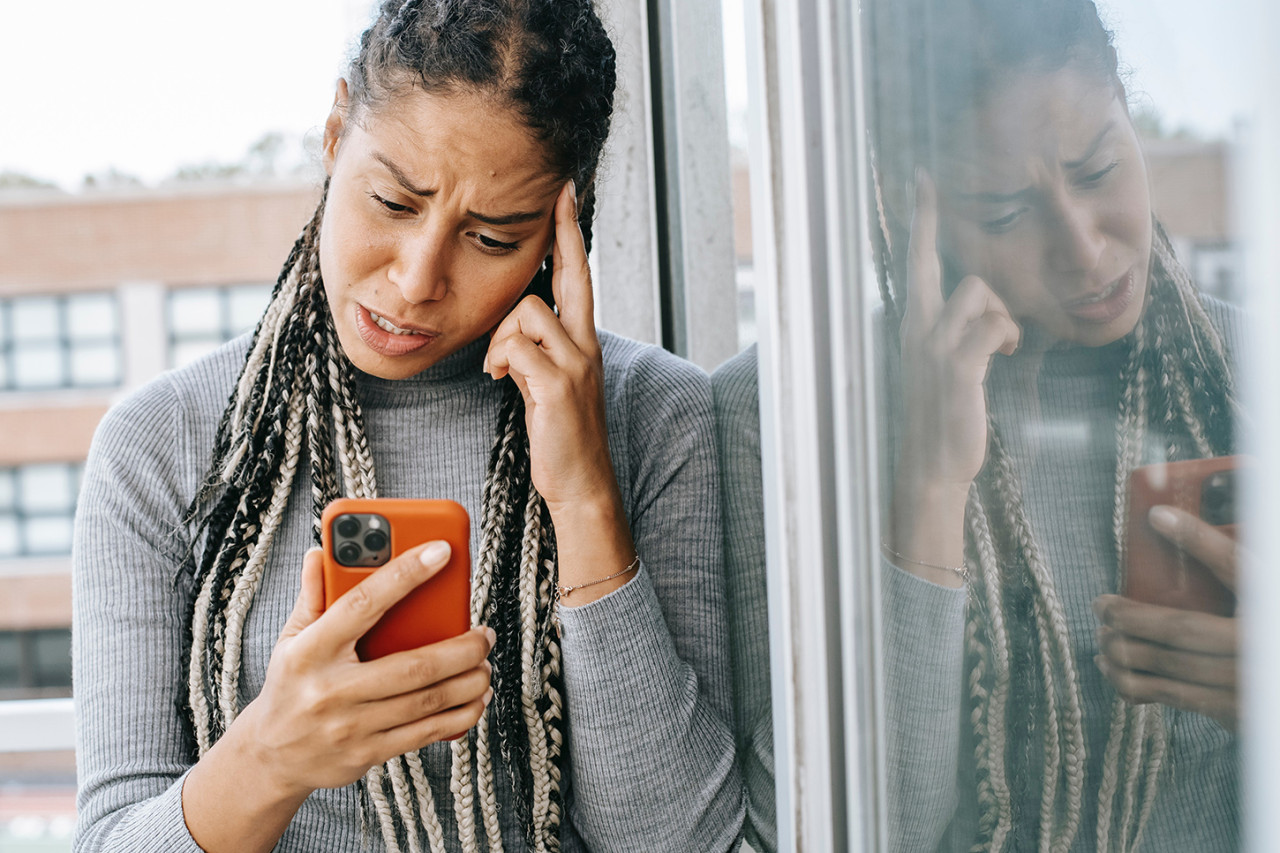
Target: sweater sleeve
<point>924,680</point>
<point>127,557</point>
<point>737,405</point>
<point>646,667</point>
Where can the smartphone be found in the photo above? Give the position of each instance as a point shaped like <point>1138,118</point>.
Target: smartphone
<point>359,535</point>
<point>1160,573</point>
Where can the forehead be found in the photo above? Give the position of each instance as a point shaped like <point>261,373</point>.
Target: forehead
<point>458,137</point>
<point>1032,121</point>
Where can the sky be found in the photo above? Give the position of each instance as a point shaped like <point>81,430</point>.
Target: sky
<point>147,86</point>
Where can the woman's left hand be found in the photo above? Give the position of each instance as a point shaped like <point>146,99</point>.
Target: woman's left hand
<point>1180,658</point>
<point>556,363</point>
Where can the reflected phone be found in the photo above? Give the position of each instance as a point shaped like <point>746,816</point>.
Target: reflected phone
<point>1158,572</point>
<point>360,534</point>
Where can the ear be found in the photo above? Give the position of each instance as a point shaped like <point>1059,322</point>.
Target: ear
<point>335,127</point>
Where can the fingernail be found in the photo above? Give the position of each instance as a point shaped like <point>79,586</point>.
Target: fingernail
<point>1100,609</point>
<point>1163,519</point>
<point>573,193</point>
<point>488,697</point>
<point>436,554</point>
<point>488,666</point>
<point>917,182</point>
<point>1100,662</point>
<point>492,635</point>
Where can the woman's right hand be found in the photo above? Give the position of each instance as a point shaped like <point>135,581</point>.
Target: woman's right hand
<point>947,347</point>
<point>324,717</point>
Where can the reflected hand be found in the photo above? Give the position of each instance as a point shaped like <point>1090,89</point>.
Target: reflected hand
<point>1180,658</point>
<point>324,717</point>
<point>947,347</point>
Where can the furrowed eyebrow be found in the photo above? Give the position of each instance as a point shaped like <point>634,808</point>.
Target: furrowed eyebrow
<point>401,177</point>
<point>996,198</point>
<point>1021,195</point>
<point>1093,148</point>
<point>486,218</point>
<point>508,218</point>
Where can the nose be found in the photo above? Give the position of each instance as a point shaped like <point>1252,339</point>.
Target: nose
<point>420,268</point>
<point>1077,240</point>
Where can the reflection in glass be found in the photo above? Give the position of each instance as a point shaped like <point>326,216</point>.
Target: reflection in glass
<point>1040,342</point>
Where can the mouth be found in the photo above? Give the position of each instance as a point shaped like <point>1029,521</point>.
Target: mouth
<point>1104,305</point>
<point>387,338</point>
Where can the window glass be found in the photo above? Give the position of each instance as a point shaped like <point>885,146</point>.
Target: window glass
<point>36,319</point>
<point>38,366</point>
<point>37,505</point>
<point>51,658</point>
<point>246,305</point>
<point>91,316</point>
<point>60,342</point>
<point>95,364</point>
<point>1057,398</point>
<point>10,660</point>
<point>203,319</point>
<point>194,311</point>
<point>45,488</point>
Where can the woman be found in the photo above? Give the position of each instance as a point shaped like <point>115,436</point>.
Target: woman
<point>1050,343</point>
<point>219,707</point>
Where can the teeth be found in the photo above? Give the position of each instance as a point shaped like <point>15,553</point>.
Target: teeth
<point>388,327</point>
<point>1104,295</point>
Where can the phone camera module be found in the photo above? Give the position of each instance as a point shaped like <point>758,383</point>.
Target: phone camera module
<point>375,540</point>
<point>349,554</point>
<point>348,526</point>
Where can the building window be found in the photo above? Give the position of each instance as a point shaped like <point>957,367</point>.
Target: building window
<point>65,341</point>
<point>35,664</point>
<point>203,318</point>
<point>37,505</point>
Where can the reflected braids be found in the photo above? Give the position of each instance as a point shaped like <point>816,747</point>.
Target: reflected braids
<point>296,395</point>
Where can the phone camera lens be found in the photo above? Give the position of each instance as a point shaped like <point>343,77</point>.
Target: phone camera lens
<point>348,526</point>
<point>375,540</point>
<point>349,553</point>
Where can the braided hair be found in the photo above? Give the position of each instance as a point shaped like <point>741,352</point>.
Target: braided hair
<point>552,61</point>
<point>934,60</point>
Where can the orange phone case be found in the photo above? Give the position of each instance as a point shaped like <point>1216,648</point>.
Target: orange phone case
<point>1158,572</point>
<point>436,610</point>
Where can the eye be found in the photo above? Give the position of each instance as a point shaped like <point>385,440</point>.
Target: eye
<point>1097,177</point>
<point>390,205</point>
<point>492,246</point>
<point>1004,223</point>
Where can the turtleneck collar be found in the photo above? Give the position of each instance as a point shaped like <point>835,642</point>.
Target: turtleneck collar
<point>462,367</point>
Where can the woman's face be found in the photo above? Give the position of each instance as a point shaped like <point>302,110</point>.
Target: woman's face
<point>1050,205</point>
<point>438,215</point>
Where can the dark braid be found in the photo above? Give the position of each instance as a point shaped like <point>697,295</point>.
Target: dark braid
<point>552,62</point>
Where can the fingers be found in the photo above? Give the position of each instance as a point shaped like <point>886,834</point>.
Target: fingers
<point>1124,651</point>
<point>1180,629</point>
<point>416,669</point>
<point>1139,688</point>
<point>924,271</point>
<point>1198,538</point>
<point>571,276</point>
<point>352,615</point>
<point>411,706</point>
<point>531,320</point>
<point>442,726</point>
<point>975,322</point>
<point>310,604</point>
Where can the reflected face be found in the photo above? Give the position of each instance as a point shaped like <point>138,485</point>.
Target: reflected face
<point>1051,206</point>
<point>439,214</point>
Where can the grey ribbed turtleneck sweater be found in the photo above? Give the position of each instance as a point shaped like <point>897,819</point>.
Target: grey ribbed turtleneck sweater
<point>649,761</point>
